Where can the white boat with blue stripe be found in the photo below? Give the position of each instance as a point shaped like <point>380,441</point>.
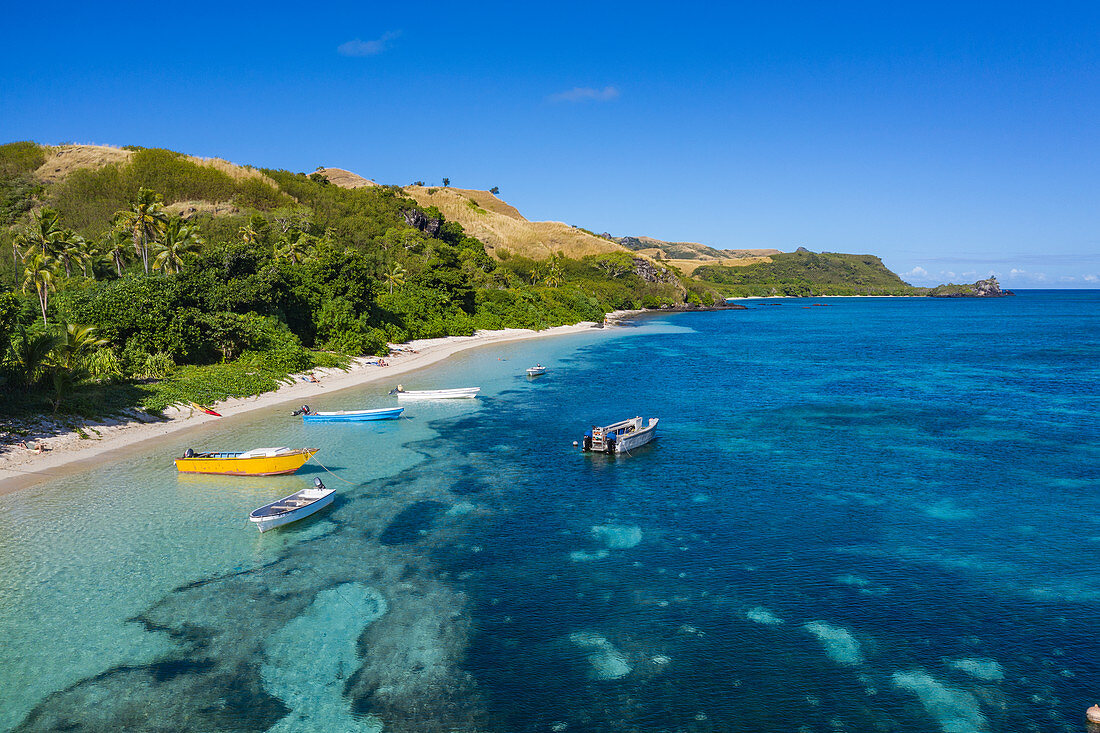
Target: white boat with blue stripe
<point>384,413</point>
<point>298,505</point>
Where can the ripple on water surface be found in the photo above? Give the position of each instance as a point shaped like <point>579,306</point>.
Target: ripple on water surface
<point>829,519</point>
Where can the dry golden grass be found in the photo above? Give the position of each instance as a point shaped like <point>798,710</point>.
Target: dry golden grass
<point>502,228</point>
<point>688,266</point>
<point>738,253</point>
<point>64,159</point>
<point>190,209</point>
<point>234,171</point>
<point>345,179</point>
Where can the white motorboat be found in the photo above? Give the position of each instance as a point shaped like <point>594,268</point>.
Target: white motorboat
<point>298,505</point>
<point>536,370</point>
<point>436,394</point>
<point>619,437</point>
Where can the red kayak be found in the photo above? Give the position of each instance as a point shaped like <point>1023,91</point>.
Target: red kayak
<point>207,410</point>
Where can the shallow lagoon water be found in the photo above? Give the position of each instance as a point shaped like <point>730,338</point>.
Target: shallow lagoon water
<point>877,515</point>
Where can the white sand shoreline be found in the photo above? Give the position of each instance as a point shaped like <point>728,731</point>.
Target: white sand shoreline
<point>70,453</point>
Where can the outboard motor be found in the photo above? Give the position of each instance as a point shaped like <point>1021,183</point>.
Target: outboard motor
<point>317,484</point>
<point>189,453</point>
<point>586,444</point>
<point>611,444</point>
<point>303,411</point>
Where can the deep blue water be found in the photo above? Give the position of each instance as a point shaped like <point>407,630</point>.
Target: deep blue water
<point>876,515</point>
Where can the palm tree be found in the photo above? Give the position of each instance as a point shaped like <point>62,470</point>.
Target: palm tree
<point>145,219</point>
<point>115,245</point>
<point>179,240</point>
<point>553,273</point>
<point>30,351</point>
<point>39,274</point>
<point>88,255</point>
<point>75,343</point>
<point>41,236</point>
<point>70,248</point>
<point>254,231</point>
<point>70,355</point>
<point>296,247</point>
<point>249,234</point>
<point>395,276</point>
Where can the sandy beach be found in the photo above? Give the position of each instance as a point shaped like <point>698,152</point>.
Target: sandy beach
<point>70,452</point>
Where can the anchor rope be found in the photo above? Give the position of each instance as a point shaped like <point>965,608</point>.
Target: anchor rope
<point>314,458</point>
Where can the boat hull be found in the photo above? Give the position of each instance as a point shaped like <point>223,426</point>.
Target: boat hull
<point>271,522</point>
<point>621,437</point>
<point>440,394</point>
<point>354,415</point>
<point>258,466</point>
<point>635,440</point>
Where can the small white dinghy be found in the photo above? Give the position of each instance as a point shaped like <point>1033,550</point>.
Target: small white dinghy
<point>298,505</point>
<point>435,394</point>
<point>536,370</point>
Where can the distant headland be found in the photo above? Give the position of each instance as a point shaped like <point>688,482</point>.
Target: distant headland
<point>135,277</point>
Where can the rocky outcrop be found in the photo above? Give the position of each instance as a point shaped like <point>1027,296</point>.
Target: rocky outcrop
<point>652,273</point>
<point>418,219</point>
<point>988,288</point>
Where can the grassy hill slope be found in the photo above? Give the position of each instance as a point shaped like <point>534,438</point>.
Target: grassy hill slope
<point>161,278</point>
<point>62,160</point>
<point>504,230</point>
<point>687,256</point>
<point>807,274</point>
<point>345,179</point>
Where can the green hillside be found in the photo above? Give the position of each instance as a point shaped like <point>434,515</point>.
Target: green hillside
<point>807,274</point>
<point>146,277</point>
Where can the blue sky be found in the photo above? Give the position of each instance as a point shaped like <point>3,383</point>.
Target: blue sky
<point>954,140</point>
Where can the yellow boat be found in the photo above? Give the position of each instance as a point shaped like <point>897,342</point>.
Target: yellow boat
<point>256,462</point>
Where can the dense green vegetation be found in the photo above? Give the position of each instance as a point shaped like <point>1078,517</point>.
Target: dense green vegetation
<point>807,274</point>
<point>109,299</point>
<point>17,186</point>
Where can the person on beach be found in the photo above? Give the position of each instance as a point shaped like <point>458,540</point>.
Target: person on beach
<point>313,378</point>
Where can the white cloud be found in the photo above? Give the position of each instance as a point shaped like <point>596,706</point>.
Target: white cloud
<point>917,271</point>
<point>1028,276</point>
<point>1092,279</point>
<point>359,47</point>
<point>585,94</point>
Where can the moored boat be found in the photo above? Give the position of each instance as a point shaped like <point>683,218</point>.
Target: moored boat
<point>536,370</point>
<point>619,437</point>
<point>436,394</point>
<point>298,505</point>
<point>385,413</point>
<point>255,462</point>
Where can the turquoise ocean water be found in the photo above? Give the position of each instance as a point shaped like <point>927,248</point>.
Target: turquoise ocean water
<point>878,515</point>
